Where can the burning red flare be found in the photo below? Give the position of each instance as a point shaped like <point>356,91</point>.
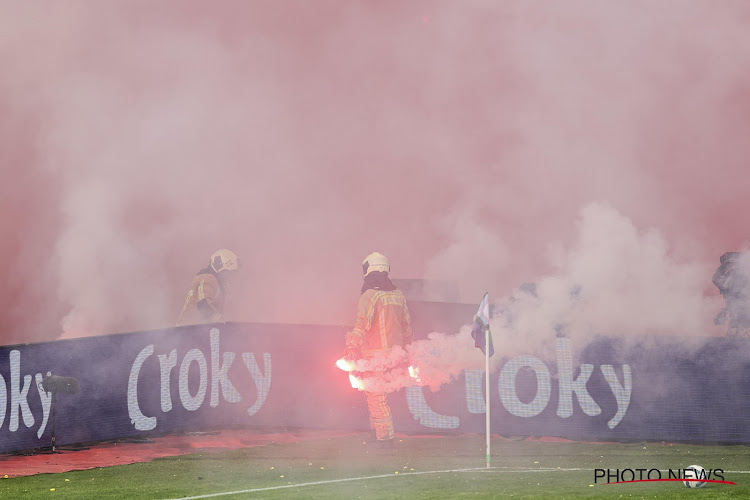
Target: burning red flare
<point>345,365</point>
<point>356,383</point>
<point>414,373</point>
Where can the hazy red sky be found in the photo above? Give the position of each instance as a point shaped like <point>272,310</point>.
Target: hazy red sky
<point>477,141</point>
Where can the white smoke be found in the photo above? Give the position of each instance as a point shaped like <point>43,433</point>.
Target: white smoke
<point>616,280</point>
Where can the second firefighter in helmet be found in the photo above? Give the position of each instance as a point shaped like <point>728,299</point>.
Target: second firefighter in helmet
<point>382,322</point>
<point>205,299</point>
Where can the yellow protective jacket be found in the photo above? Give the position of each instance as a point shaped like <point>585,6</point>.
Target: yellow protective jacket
<point>204,302</point>
<point>382,322</point>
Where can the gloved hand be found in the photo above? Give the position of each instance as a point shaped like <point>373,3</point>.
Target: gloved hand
<point>352,354</point>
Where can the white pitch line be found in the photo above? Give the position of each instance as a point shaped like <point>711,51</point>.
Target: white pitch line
<point>515,470</point>
<point>333,481</point>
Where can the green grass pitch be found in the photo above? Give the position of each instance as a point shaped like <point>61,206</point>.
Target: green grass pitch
<point>419,467</point>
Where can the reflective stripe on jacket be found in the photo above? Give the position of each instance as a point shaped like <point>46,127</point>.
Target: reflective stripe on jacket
<point>382,322</point>
<point>204,302</point>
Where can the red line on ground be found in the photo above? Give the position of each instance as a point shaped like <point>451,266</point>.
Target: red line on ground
<point>686,479</point>
<point>105,454</point>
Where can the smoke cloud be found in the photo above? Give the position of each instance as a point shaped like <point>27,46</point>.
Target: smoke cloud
<point>616,280</point>
<point>589,146</point>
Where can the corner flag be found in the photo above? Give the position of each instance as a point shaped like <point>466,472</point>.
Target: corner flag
<point>481,327</point>
<point>483,340</point>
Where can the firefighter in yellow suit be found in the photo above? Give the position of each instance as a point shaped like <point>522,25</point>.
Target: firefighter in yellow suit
<point>204,302</point>
<point>382,322</point>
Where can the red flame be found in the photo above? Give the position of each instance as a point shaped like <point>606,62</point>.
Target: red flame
<point>345,365</point>
<point>356,383</point>
<point>414,373</point>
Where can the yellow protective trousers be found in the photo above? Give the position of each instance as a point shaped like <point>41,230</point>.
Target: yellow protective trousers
<point>380,415</point>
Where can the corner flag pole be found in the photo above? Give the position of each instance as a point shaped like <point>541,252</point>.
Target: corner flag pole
<point>487,389</point>
<point>480,331</point>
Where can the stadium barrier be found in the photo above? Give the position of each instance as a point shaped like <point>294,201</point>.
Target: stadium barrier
<point>202,377</point>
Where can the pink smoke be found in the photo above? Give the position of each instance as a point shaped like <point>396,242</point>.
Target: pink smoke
<point>139,138</point>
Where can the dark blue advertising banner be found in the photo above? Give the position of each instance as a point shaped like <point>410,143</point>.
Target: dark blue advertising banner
<point>259,375</point>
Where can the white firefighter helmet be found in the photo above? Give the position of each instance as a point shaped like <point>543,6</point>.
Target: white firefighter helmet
<point>224,260</point>
<point>376,261</point>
